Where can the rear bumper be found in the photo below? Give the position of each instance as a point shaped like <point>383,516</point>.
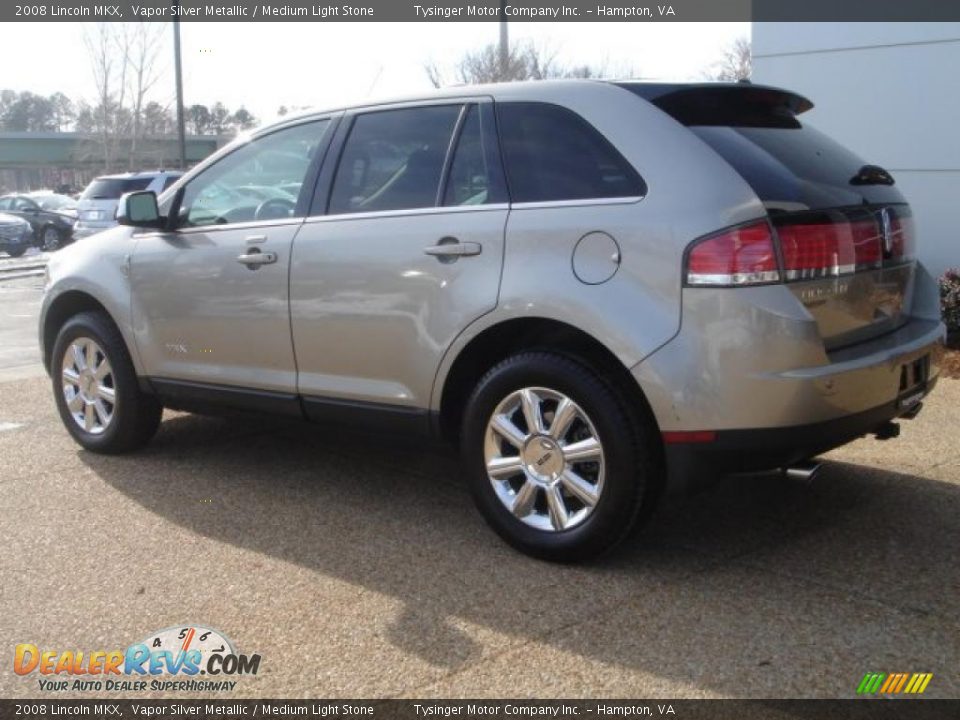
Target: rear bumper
<point>760,449</point>
<point>750,367</point>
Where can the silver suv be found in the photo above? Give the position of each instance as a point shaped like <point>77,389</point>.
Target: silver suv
<point>602,291</point>
<point>97,207</point>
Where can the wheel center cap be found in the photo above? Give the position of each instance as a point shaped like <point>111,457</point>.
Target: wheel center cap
<point>543,458</point>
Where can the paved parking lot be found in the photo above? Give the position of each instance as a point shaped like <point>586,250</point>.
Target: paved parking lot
<point>357,567</point>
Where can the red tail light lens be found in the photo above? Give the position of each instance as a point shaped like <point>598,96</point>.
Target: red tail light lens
<point>743,255</point>
<point>903,240</point>
<point>812,245</point>
<point>827,249</point>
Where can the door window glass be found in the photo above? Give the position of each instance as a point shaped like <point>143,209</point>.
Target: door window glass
<point>469,180</point>
<point>393,160</point>
<point>552,153</point>
<point>259,181</point>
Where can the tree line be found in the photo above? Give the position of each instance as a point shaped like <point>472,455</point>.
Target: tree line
<point>529,61</point>
<point>29,112</point>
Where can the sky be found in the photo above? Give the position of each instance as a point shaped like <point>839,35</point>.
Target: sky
<point>298,64</point>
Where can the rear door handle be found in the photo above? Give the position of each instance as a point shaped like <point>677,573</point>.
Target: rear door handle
<point>256,259</point>
<point>454,249</point>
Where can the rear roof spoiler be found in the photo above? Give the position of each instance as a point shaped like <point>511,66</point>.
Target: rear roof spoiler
<point>722,103</point>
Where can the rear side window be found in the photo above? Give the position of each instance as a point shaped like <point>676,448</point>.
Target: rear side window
<point>393,160</point>
<point>468,182</point>
<point>551,153</point>
<point>113,188</point>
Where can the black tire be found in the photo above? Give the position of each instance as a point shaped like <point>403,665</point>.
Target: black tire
<point>633,475</point>
<point>15,252</point>
<point>136,414</point>
<point>54,242</point>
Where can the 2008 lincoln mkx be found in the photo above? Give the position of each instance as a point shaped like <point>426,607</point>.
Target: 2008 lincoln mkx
<point>603,292</point>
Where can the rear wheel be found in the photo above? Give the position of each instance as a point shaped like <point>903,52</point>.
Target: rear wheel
<point>96,388</point>
<point>15,252</point>
<point>51,239</point>
<point>557,465</point>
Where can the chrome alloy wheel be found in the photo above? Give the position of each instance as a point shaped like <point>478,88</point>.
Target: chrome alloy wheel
<point>88,385</point>
<point>544,459</point>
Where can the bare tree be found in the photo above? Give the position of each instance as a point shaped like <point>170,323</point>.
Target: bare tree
<point>141,54</point>
<point>108,45</point>
<point>100,47</point>
<point>736,63</point>
<point>524,61</point>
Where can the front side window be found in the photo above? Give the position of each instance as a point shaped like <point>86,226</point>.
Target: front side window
<point>393,160</point>
<point>552,153</point>
<point>259,181</point>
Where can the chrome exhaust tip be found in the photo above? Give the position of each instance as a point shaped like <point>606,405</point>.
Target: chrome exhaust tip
<point>805,471</point>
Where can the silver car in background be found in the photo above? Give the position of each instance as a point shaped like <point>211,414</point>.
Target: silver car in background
<point>604,292</point>
<point>97,207</point>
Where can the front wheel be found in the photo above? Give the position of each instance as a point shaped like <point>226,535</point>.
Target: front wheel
<point>557,465</point>
<point>96,388</point>
<point>15,252</point>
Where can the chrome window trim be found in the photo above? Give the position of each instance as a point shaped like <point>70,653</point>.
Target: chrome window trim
<point>223,227</point>
<point>584,202</point>
<point>407,212</point>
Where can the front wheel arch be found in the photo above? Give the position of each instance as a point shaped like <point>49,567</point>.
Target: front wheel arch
<point>64,307</point>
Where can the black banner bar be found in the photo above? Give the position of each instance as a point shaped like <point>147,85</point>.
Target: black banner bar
<point>854,709</point>
<point>482,11</point>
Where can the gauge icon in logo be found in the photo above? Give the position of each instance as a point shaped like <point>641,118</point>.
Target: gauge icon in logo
<point>185,638</point>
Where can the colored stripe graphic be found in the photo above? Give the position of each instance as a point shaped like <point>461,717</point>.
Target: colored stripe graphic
<point>894,683</point>
<point>918,683</point>
<point>870,683</point>
<point>899,687</point>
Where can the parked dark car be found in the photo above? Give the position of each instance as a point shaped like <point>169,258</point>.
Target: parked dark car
<point>16,235</point>
<point>51,216</point>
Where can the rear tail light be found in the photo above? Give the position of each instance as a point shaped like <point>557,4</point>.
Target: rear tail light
<point>739,256</point>
<point>903,245</point>
<point>827,249</point>
<point>833,243</point>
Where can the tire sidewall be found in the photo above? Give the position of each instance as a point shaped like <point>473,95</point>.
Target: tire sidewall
<point>125,382</point>
<point>56,243</point>
<point>619,500</point>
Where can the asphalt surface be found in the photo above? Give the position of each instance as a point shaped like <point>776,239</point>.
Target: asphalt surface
<point>357,567</point>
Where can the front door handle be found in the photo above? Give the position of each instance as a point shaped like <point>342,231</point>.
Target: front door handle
<point>256,259</point>
<point>453,249</point>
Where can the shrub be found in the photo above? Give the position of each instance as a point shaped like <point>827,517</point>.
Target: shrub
<point>950,299</point>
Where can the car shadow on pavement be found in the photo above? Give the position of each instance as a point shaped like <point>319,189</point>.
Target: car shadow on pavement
<point>759,586</point>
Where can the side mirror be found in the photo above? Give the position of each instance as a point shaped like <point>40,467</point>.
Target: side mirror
<point>139,209</point>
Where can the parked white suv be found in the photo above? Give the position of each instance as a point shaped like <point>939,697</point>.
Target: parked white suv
<point>97,208</point>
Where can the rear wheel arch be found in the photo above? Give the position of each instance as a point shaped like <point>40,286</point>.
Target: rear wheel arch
<point>510,337</point>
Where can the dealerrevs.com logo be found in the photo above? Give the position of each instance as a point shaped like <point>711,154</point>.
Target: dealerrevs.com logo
<point>198,657</point>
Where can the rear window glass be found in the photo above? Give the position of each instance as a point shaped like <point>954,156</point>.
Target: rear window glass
<point>791,167</point>
<point>551,153</point>
<point>113,188</point>
<point>788,164</point>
